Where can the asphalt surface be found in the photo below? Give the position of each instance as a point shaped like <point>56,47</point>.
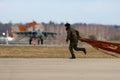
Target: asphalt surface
<point>59,69</point>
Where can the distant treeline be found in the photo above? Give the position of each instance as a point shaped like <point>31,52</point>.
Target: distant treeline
<point>96,31</point>
<point>4,27</point>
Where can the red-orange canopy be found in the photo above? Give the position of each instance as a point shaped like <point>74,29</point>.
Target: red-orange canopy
<point>31,24</point>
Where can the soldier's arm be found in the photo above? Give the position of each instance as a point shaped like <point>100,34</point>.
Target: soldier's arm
<point>68,35</point>
<point>77,33</point>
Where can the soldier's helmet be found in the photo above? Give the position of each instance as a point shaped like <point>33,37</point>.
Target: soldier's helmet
<point>67,25</point>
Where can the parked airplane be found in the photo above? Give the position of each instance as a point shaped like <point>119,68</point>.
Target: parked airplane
<point>5,39</point>
<point>38,34</point>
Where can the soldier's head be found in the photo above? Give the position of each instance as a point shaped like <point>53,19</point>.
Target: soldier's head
<point>67,25</point>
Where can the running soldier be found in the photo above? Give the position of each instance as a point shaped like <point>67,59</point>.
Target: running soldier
<point>72,35</point>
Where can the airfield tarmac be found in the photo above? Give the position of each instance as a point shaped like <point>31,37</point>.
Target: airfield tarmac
<point>59,69</point>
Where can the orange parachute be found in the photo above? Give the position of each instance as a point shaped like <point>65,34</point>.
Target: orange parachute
<point>32,24</point>
<point>108,46</point>
<point>10,33</point>
<point>22,28</point>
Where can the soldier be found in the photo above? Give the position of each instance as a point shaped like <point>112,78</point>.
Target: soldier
<point>72,36</point>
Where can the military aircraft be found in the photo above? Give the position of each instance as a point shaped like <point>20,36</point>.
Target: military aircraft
<point>38,34</point>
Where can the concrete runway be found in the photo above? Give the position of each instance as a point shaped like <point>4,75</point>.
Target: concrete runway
<point>59,69</point>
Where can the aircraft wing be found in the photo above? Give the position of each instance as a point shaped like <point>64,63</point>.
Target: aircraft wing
<point>49,33</point>
<point>27,34</point>
<point>35,34</point>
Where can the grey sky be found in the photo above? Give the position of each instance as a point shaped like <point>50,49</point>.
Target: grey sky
<point>88,11</point>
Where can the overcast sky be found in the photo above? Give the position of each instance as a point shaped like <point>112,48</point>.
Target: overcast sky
<point>73,11</point>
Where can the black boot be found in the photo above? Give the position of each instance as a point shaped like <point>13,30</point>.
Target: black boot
<point>84,50</point>
<point>73,57</point>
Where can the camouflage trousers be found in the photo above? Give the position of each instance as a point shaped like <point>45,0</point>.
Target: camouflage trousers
<point>73,45</point>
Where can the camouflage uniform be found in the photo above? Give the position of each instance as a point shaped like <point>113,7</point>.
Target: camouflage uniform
<point>72,36</point>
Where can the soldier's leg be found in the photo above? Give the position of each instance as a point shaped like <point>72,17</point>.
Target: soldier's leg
<point>79,49</point>
<point>71,50</point>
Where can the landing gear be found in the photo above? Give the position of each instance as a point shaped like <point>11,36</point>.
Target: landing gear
<point>33,41</point>
<point>39,41</point>
<point>30,41</point>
